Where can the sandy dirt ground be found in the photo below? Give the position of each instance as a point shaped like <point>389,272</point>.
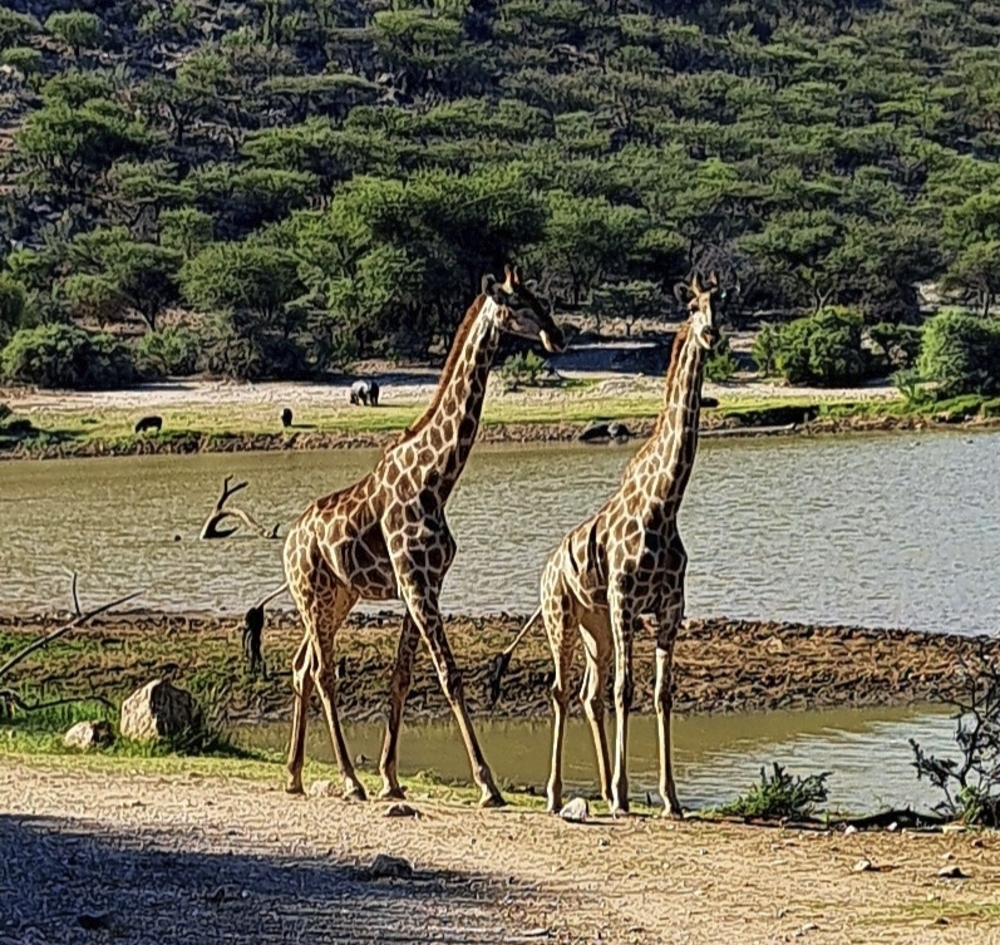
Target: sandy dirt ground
<point>400,388</point>
<point>90,858</point>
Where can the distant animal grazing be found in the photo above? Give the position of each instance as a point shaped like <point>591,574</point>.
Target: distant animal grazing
<point>604,431</point>
<point>149,423</point>
<point>625,561</point>
<point>365,392</point>
<point>385,537</point>
<point>286,417</point>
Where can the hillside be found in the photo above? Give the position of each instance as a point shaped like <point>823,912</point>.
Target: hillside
<point>328,179</point>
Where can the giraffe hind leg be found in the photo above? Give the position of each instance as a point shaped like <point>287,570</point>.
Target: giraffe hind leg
<point>596,633</point>
<point>399,686</point>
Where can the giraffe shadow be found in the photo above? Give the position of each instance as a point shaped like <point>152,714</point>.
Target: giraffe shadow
<point>64,879</point>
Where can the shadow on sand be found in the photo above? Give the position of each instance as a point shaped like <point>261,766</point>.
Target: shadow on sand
<point>73,882</point>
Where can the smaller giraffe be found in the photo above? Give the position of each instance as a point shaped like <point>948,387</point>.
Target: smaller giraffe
<point>625,561</point>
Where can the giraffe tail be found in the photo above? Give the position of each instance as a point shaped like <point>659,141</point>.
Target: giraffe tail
<point>253,627</point>
<point>502,661</point>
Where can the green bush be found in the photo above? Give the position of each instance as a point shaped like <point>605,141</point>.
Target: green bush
<point>960,354</point>
<point>23,58</point>
<point>169,352</point>
<point>779,795</point>
<point>721,364</point>
<point>66,356</point>
<point>522,368</point>
<point>237,346</point>
<point>13,303</point>
<point>823,349</point>
<point>764,349</point>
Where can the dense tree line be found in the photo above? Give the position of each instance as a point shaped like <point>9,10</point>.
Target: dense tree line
<point>315,180</point>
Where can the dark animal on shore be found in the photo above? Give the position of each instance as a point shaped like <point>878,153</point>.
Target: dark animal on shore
<point>365,392</point>
<point>149,423</point>
<point>604,431</point>
<point>286,417</point>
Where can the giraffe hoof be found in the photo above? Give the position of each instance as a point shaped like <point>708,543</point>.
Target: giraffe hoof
<point>619,812</point>
<point>492,800</point>
<point>397,793</point>
<point>355,792</point>
<point>294,787</point>
<point>672,814</point>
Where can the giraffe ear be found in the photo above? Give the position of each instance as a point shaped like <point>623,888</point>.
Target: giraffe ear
<point>682,292</point>
<point>713,280</point>
<point>487,283</point>
<point>696,284</point>
<point>510,281</point>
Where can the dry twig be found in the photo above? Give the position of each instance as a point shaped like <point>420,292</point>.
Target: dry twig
<point>211,527</point>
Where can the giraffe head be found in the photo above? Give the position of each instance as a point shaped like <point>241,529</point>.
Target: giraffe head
<point>704,327</point>
<point>519,312</point>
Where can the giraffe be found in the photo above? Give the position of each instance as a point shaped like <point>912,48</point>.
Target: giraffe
<point>625,561</point>
<point>386,538</point>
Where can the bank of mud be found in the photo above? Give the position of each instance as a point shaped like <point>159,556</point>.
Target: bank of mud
<point>721,665</point>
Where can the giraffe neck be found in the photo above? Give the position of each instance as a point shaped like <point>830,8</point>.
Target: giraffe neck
<point>661,471</point>
<point>444,436</point>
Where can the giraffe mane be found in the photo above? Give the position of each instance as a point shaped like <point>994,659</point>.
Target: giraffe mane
<point>449,366</point>
<point>675,355</point>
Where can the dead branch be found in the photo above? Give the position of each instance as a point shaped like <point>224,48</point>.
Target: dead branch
<point>62,631</point>
<point>211,527</point>
<point>10,698</point>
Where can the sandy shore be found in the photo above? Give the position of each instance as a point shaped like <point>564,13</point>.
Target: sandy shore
<point>94,857</point>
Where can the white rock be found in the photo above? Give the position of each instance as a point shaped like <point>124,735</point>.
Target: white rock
<point>91,734</point>
<point>158,710</point>
<point>576,811</point>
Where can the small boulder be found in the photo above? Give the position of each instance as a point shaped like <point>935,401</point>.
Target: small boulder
<point>952,872</point>
<point>322,789</point>
<point>87,735</point>
<point>576,811</point>
<point>158,710</point>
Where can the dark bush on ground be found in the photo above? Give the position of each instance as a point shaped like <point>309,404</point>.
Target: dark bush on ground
<point>960,354</point>
<point>897,345</point>
<point>823,349</point>
<point>239,347</point>
<point>169,352</point>
<point>66,356</point>
<point>779,795</point>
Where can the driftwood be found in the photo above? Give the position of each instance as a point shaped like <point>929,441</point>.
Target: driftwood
<point>211,527</point>
<point>10,698</point>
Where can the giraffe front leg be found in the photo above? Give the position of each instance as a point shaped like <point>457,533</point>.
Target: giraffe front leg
<point>622,632</point>
<point>421,601</point>
<point>668,625</point>
<point>398,688</point>
<point>302,686</point>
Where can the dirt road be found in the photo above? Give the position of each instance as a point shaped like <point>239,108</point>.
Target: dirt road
<point>185,859</point>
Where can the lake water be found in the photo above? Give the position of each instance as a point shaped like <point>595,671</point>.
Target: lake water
<point>715,757</point>
<point>890,530</point>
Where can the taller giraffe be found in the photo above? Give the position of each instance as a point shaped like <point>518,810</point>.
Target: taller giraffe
<point>625,561</point>
<point>386,538</point>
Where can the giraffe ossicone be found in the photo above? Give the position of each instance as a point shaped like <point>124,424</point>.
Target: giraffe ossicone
<point>385,537</point>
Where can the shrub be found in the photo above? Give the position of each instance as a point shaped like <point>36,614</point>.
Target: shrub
<point>971,784</point>
<point>765,348</point>
<point>779,795</point>
<point>13,303</point>
<point>66,356</point>
<point>960,353</point>
<point>522,368</point>
<point>240,347</point>
<point>23,58</point>
<point>169,351</point>
<point>721,364</point>
<point>823,349</point>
